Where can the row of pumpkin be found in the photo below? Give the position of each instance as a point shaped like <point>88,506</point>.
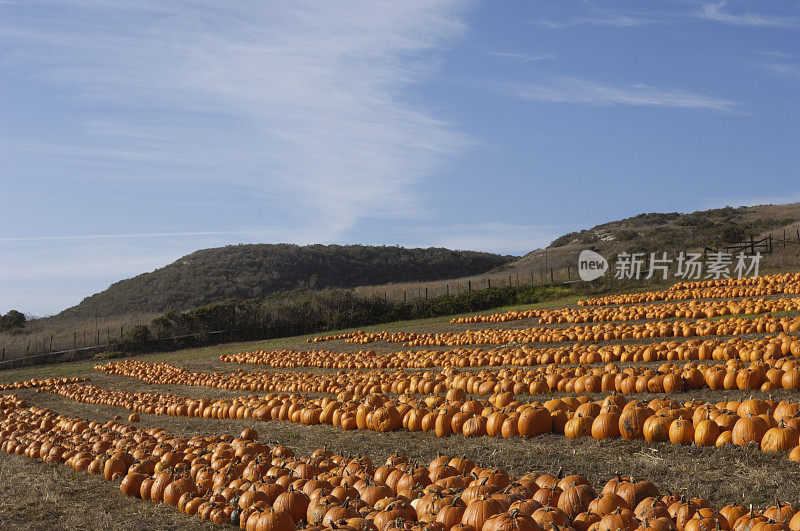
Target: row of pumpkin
<point>695,309</point>
<point>242,482</point>
<point>772,373</point>
<point>772,426</point>
<point>599,332</point>
<point>38,382</point>
<point>764,285</point>
<point>766,347</point>
<point>770,278</point>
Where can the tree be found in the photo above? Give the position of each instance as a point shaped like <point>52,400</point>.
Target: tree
<point>13,319</point>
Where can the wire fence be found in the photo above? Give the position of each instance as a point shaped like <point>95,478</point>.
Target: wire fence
<point>82,353</point>
<point>408,292</point>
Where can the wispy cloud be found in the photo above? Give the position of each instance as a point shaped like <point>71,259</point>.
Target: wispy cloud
<point>610,20</point>
<point>784,68</point>
<point>580,91</point>
<point>522,57</point>
<point>302,100</point>
<point>778,62</point>
<point>717,12</point>
<point>131,236</point>
<point>777,55</point>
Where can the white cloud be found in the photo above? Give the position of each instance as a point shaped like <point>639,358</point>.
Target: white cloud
<point>784,68</point>
<point>302,100</point>
<point>716,12</point>
<point>574,90</point>
<point>777,55</point>
<point>138,236</point>
<point>610,20</point>
<point>522,57</point>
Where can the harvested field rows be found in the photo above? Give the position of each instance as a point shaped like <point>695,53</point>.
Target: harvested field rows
<point>693,388</point>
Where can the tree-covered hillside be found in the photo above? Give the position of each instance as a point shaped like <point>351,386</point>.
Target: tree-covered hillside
<point>255,271</point>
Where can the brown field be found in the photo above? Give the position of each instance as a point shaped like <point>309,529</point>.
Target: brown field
<point>54,334</point>
<point>41,496</point>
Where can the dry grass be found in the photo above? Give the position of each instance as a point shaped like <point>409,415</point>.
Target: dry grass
<point>67,333</point>
<point>37,495</point>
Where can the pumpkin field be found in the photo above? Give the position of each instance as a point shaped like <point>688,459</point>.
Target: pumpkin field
<point>676,409</point>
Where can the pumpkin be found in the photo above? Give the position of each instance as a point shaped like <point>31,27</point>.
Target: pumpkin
<point>706,433</point>
<point>575,499</point>
<point>780,439</point>
<point>748,430</point>
<point>616,521</point>
<point>272,520</point>
<point>479,511</point>
<point>578,427</point>
<point>511,521</point>
<point>294,502</point>
<point>631,422</point>
<point>176,489</point>
<point>681,432</point>
<point>606,426</point>
<point>533,421</point>
<point>132,484</point>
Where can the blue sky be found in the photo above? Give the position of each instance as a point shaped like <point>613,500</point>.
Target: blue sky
<point>132,133</point>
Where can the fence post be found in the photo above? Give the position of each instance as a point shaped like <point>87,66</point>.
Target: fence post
<point>426,292</point>
<point>469,285</point>
<point>28,349</point>
<point>489,283</point>
<point>4,352</point>
<point>770,243</point>
<point>569,274</point>
<point>51,343</point>
<point>447,287</point>
<point>752,246</point>
<point>404,297</point>
<point>551,276</point>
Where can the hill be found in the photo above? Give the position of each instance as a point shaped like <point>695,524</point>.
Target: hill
<point>673,232</point>
<point>258,270</point>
